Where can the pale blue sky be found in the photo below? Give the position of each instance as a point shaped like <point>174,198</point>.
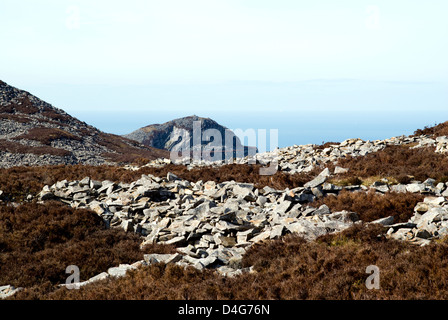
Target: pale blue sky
<point>316,70</point>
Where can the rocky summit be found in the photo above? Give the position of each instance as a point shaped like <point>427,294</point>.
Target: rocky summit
<point>171,134</point>
<point>32,132</point>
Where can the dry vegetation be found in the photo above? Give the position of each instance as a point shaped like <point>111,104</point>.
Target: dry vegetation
<point>128,151</point>
<point>47,135</point>
<point>399,162</point>
<point>38,242</point>
<point>371,205</point>
<point>333,267</point>
<point>438,130</point>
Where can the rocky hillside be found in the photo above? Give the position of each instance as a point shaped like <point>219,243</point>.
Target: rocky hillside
<point>32,132</point>
<point>160,135</point>
<point>224,232</point>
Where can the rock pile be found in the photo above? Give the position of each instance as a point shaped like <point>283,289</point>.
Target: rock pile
<point>211,224</point>
<point>430,221</point>
<point>304,158</point>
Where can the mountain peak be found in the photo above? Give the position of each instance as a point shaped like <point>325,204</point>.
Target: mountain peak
<point>160,135</point>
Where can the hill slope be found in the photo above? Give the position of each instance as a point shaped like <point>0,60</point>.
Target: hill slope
<point>32,132</point>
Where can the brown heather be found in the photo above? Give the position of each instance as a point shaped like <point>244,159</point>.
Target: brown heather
<point>399,162</point>
<point>371,205</point>
<point>47,135</point>
<point>438,130</point>
<point>38,242</point>
<point>333,267</point>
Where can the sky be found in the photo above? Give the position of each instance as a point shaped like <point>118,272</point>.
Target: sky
<point>317,71</point>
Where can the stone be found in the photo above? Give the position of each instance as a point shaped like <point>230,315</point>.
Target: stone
<point>283,207</point>
<point>415,187</point>
<point>261,201</point>
<point>127,225</point>
<point>162,258</point>
<point>307,229</point>
<point>309,211</point>
<point>323,209</point>
<point>262,236</point>
<point>384,188</point>
<point>98,277</point>
<point>344,216</point>
<point>435,201</point>
<point>432,215</point>
<point>403,225</point>
<point>339,170</point>
<point>421,207</point>
<point>424,234</point>
<point>120,271</point>
<point>244,193</point>
<point>175,241</point>
<point>85,182</point>
<point>319,180</point>
<point>277,232</point>
<point>403,234</point>
<point>8,291</point>
<point>385,221</point>
<point>46,195</point>
<point>399,188</point>
<point>172,177</point>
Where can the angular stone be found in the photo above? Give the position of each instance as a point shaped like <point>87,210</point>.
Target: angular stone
<point>323,209</point>
<point>385,221</point>
<point>432,215</point>
<point>277,232</point>
<point>309,211</point>
<point>424,234</point>
<point>435,201</point>
<point>415,187</point>
<point>99,277</point>
<point>338,170</point>
<point>262,236</point>
<point>127,225</point>
<point>307,229</point>
<point>283,207</point>
<point>399,188</point>
<point>172,177</point>
<point>244,193</point>
<point>120,271</point>
<point>261,201</point>
<point>176,241</point>
<point>162,258</point>
<point>316,182</point>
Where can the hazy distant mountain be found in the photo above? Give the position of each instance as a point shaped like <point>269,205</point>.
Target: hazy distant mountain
<point>160,135</point>
<point>32,132</point>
